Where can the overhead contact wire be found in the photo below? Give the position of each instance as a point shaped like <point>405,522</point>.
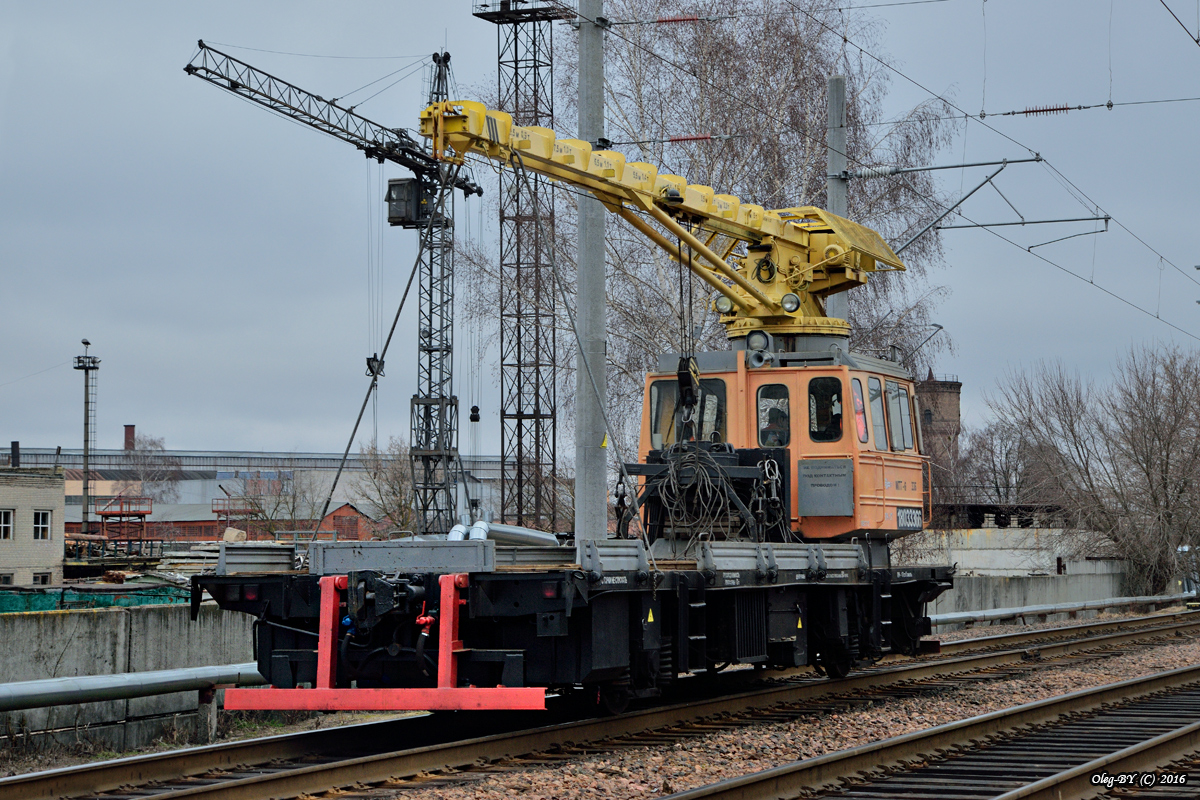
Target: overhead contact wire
<point>903,182</point>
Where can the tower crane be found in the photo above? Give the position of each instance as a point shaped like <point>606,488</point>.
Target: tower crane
<point>411,204</point>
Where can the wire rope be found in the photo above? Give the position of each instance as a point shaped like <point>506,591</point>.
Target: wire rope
<point>444,191</point>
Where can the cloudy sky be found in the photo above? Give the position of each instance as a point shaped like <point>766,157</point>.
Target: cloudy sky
<point>218,257</point>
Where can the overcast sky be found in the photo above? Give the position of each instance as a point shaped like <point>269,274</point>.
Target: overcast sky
<point>217,256</point>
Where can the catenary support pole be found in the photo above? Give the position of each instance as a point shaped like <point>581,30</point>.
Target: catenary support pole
<point>837,305</point>
<point>591,515</point>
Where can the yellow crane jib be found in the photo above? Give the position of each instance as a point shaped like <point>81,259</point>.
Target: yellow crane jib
<point>793,257</point>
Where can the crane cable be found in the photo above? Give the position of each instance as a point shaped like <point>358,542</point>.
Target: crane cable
<point>517,164</point>
<point>447,186</point>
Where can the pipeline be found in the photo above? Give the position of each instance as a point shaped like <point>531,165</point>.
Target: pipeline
<point>93,688</point>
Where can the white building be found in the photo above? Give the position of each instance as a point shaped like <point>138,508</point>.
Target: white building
<point>31,526</point>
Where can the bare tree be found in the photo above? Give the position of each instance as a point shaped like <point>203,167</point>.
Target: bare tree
<point>156,472</point>
<point>1122,460</point>
<point>279,498</point>
<point>386,483</point>
<point>766,106</point>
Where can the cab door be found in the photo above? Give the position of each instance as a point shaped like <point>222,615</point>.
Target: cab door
<point>774,420</point>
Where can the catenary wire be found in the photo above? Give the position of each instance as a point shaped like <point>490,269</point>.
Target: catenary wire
<point>32,374</point>
<point>901,179</point>
<point>1011,139</point>
<point>418,64</point>
<point>1195,39</point>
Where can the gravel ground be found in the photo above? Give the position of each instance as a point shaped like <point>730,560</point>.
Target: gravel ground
<point>234,725</point>
<point>649,771</point>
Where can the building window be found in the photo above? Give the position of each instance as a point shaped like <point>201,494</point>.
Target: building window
<point>41,525</point>
<point>6,578</point>
<point>6,516</point>
<point>927,415</point>
<point>41,578</point>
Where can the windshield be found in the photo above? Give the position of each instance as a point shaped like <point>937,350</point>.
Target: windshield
<point>665,413</point>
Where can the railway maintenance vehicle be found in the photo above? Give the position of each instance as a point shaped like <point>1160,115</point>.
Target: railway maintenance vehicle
<point>753,529</point>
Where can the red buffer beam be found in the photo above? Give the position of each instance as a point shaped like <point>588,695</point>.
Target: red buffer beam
<point>447,696</point>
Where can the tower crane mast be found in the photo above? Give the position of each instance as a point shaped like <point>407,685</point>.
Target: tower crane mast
<point>434,417</point>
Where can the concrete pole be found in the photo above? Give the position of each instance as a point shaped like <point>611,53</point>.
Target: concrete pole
<point>591,479</point>
<point>837,305</point>
<point>87,438</point>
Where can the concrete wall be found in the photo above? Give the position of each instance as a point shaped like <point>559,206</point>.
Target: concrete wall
<point>985,592</point>
<point>59,644</point>
<point>22,492</point>
<point>999,552</point>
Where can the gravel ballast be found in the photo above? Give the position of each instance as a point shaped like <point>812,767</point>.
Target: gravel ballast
<point>656,770</point>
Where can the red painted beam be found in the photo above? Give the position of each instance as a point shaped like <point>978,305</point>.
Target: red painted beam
<point>499,698</point>
<point>331,601</point>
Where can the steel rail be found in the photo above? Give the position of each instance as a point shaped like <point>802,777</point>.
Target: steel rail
<point>810,775</point>
<point>1076,783</point>
<point>1085,628</point>
<point>398,764</point>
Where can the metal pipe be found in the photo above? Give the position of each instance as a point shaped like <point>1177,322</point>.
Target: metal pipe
<point>518,535</point>
<point>667,245</point>
<point>717,262</point>
<point>1104,219</point>
<point>95,688</point>
<point>883,172</point>
<point>945,213</point>
<point>1059,608</point>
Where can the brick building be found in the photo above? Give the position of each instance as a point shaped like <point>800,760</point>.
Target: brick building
<point>941,422</point>
<point>31,526</point>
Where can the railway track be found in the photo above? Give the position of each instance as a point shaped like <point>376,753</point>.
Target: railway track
<point>398,752</point>
<point>1062,748</point>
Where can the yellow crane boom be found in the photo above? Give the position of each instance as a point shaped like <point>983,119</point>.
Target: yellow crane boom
<point>793,257</point>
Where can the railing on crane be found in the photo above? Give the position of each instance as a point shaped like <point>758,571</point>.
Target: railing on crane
<point>784,261</point>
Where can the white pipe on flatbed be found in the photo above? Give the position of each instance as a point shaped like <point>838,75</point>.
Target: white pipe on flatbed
<point>515,534</point>
<point>93,688</point>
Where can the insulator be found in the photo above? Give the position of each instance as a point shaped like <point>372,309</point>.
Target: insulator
<point>1039,110</point>
<point>875,172</point>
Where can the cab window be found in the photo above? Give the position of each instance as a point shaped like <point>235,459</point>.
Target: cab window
<point>899,417</point>
<point>906,418</point>
<point>875,387</point>
<point>825,409</point>
<point>666,418</point>
<point>860,410</point>
<point>774,416</point>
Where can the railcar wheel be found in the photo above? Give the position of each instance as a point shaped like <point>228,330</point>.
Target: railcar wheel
<point>835,659</point>
<point>613,698</point>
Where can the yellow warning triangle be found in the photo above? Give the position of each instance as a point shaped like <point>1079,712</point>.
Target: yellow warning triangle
<point>605,442</point>
<point>799,623</point>
<point>650,618</point>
